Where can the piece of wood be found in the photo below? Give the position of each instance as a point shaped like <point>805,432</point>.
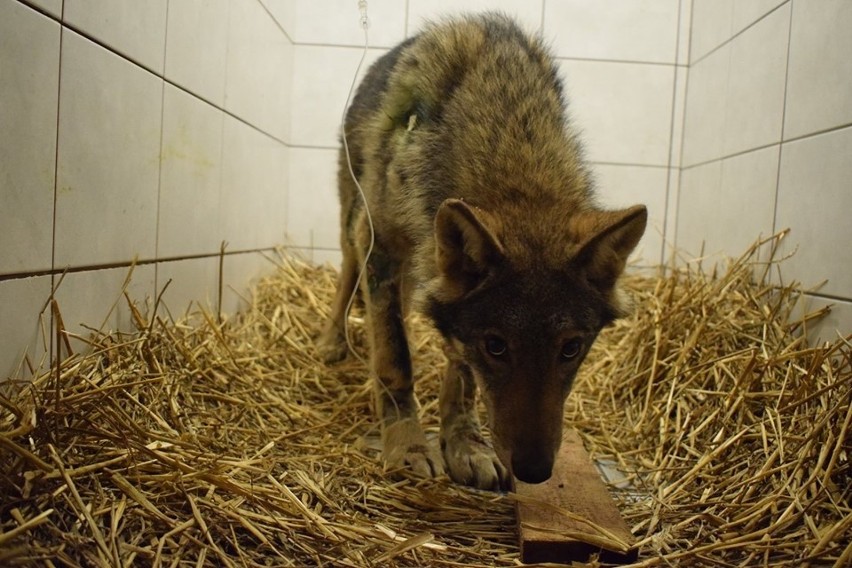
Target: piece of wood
<point>571,516</point>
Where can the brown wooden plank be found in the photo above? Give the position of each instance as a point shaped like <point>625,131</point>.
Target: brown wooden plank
<point>544,511</point>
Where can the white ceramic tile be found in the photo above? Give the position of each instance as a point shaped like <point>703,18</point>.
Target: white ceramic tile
<point>755,97</point>
<point>814,201</point>
<point>750,11</point>
<point>254,188</point>
<point>837,323</point>
<point>190,176</point>
<point>284,12</point>
<point>22,328</point>
<point>259,69</point>
<point>196,47</point>
<point>712,25</point>
<point>329,257</point>
<point>624,110</point>
<point>187,286</point>
<point>53,7</point>
<point>672,200</point>
<point>300,253</point>
<point>29,91</point>
<point>314,208</point>
<point>322,77</point>
<point>622,186</point>
<point>109,150</point>
<point>819,84</point>
<point>704,122</point>
<point>135,29</point>
<point>699,211</point>
<point>626,30</point>
<point>332,23</point>
<point>317,256</point>
<point>527,13</point>
<point>747,200</point>
<point>241,273</point>
<point>95,300</point>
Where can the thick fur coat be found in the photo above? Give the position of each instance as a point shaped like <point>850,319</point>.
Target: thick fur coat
<point>484,213</point>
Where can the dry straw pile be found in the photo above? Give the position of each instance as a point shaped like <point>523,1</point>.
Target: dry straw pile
<point>230,444</point>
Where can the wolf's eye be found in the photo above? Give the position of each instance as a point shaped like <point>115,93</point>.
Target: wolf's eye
<point>570,349</point>
<point>495,346</point>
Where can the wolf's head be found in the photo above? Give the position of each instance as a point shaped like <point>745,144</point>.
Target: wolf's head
<point>523,318</point>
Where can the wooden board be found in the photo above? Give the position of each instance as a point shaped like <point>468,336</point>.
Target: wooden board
<point>548,514</point>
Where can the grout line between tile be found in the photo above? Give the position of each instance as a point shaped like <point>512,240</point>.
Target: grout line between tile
<point>622,61</point>
<point>312,147</point>
<point>276,22</point>
<point>29,4</point>
<point>689,31</point>
<point>783,121</point>
<point>407,14</point>
<point>831,297</point>
<point>816,133</point>
<point>557,57</point>
<point>591,162</point>
<point>51,323</point>
<point>628,165</point>
<point>728,156</point>
<point>227,62</point>
<point>771,144</point>
<point>683,122</point>
<point>129,263</point>
<point>162,138</point>
<point>376,46</point>
<point>671,137</point>
<point>739,33</point>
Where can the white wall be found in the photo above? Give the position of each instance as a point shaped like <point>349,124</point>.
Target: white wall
<point>768,140</point>
<point>150,130</point>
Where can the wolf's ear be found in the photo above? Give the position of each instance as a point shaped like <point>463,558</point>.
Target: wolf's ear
<point>466,248</point>
<point>607,238</point>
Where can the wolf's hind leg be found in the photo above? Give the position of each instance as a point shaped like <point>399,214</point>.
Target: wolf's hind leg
<point>331,344</point>
<point>470,460</point>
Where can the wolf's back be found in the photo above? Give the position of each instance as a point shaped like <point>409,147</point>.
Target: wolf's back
<point>470,108</point>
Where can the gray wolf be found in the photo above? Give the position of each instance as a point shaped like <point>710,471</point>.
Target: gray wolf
<point>486,221</point>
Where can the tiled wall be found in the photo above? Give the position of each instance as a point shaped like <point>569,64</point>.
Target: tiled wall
<point>157,130</point>
<point>150,130</point>
<point>767,139</point>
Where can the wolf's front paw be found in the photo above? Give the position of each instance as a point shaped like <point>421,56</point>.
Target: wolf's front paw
<point>471,461</point>
<point>405,445</point>
<point>331,345</point>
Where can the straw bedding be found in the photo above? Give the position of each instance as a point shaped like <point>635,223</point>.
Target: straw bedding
<point>208,443</point>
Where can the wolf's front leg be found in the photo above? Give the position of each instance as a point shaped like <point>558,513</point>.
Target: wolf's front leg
<point>470,460</point>
<point>403,440</point>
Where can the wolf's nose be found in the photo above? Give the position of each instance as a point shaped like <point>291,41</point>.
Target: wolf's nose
<point>532,471</point>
